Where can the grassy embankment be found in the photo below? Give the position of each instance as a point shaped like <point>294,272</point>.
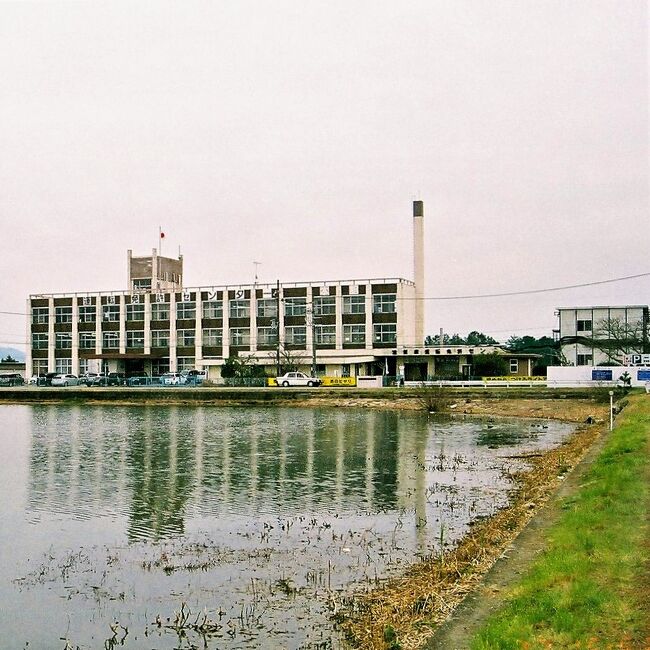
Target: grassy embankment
<point>590,588</point>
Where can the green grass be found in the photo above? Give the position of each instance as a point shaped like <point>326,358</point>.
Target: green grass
<point>589,588</point>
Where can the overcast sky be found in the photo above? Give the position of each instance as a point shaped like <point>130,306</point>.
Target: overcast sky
<point>297,134</point>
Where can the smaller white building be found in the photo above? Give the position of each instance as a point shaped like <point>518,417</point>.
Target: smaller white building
<point>592,336</point>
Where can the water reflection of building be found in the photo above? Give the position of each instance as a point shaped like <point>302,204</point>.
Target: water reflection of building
<point>157,466</point>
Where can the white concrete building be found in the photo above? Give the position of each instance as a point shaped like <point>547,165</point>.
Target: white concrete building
<point>592,336</point>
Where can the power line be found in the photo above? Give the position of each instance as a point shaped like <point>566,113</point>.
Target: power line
<point>502,294</point>
<point>534,291</point>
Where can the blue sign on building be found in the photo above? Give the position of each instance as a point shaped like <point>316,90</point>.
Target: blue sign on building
<point>643,375</point>
<point>597,374</point>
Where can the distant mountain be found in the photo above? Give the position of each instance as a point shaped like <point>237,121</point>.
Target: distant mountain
<point>16,354</point>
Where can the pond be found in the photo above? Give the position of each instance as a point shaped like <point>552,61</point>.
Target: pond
<point>178,527</point>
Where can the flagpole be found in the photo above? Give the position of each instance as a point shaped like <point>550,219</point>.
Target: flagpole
<point>160,241</point>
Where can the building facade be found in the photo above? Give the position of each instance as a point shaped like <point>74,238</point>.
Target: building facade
<point>347,326</point>
<point>592,336</point>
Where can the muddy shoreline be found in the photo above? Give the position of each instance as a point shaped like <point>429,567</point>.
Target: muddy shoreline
<point>413,607</point>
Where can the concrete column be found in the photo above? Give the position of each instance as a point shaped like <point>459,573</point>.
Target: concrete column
<point>198,333</point>
<point>75,336</point>
<point>225,337</point>
<point>29,371</point>
<point>172,332</point>
<point>51,342</point>
<point>147,323</point>
<point>122,303</point>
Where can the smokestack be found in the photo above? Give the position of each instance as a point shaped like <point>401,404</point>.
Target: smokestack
<point>418,269</point>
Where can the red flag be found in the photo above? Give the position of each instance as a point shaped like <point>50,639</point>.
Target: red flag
<point>162,235</point>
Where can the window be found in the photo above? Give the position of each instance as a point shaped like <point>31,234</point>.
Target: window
<point>159,339</point>
<point>87,314</point>
<point>185,310</point>
<point>345,370</point>
<point>583,326</point>
<point>111,340</point>
<point>185,363</point>
<point>39,367</point>
<point>63,340</point>
<point>385,332</point>
<point>240,336</point>
<point>514,366</point>
<point>324,305</point>
<point>268,307</point>
<point>325,334</point>
<point>239,309</point>
<point>63,366</point>
<point>295,335</point>
<point>135,339</point>
<point>213,309</point>
<point>267,336</point>
<point>87,340</point>
<point>584,359</point>
<point>160,311</point>
<point>135,312</point>
<point>384,303</point>
<point>63,314</point>
<point>83,366</point>
<point>354,334</point>
<point>111,313</point>
<point>142,283</point>
<point>39,341</point>
<point>354,304</point>
<point>185,338</point>
<point>40,315</point>
<point>295,306</point>
<point>212,337</point>
<point>159,367</point>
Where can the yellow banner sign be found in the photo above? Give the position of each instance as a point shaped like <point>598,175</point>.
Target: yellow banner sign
<point>339,381</point>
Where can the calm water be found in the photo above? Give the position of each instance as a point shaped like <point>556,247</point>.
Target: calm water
<point>253,518</point>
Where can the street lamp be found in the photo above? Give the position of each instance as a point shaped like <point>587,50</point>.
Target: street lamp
<point>611,410</point>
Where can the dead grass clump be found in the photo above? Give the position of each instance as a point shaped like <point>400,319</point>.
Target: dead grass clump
<point>413,605</point>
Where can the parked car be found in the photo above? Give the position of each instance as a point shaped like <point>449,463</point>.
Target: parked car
<point>193,377</point>
<point>33,380</point>
<point>170,379</point>
<point>46,379</point>
<point>12,379</point>
<point>90,379</point>
<point>65,380</point>
<point>139,380</point>
<point>297,379</point>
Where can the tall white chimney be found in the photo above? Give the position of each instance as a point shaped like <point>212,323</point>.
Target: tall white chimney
<point>418,269</point>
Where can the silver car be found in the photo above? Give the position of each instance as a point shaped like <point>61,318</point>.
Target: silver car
<point>65,380</point>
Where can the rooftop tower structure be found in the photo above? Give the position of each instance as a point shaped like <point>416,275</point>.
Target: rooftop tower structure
<point>154,272</point>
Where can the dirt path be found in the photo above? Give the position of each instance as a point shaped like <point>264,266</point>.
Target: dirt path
<point>468,618</point>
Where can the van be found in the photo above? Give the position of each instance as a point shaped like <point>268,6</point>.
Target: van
<point>193,377</point>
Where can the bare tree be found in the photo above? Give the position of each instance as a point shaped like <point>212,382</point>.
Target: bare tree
<point>615,338</point>
<point>290,359</point>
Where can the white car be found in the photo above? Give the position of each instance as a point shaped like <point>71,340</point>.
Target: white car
<point>65,380</point>
<point>170,379</point>
<point>193,377</point>
<point>297,379</point>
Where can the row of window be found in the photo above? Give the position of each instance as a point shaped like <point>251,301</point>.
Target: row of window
<point>322,305</point>
<point>64,366</point>
<point>212,337</point>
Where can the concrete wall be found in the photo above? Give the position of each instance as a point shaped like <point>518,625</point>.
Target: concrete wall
<point>582,375</point>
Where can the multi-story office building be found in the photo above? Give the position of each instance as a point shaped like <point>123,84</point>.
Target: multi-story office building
<point>591,336</point>
<point>347,327</point>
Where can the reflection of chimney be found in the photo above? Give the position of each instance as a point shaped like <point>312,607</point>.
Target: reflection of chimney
<point>418,269</point>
